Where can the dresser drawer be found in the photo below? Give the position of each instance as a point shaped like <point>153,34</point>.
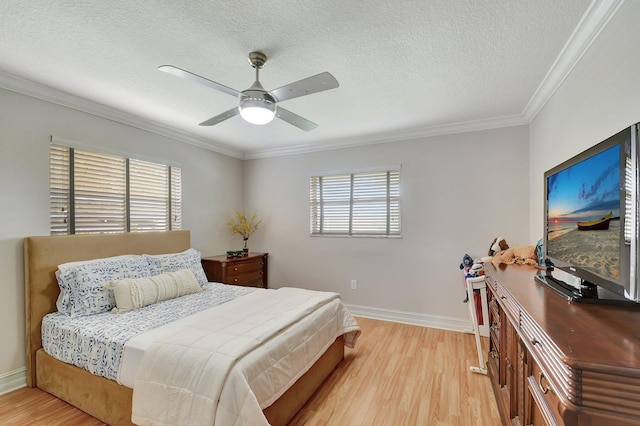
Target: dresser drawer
<point>546,404</point>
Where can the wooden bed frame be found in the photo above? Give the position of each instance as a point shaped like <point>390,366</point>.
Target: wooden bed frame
<point>103,398</point>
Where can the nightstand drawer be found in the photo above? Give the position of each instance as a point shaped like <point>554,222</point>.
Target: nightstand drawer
<point>245,267</point>
<point>251,279</point>
<point>249,270</point>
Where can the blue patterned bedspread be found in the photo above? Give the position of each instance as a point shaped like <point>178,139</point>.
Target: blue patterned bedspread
<point>96,342</point>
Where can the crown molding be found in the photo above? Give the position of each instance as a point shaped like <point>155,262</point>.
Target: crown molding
<point>40,91</point>
<point>586,32</point>
<point>395,136</point>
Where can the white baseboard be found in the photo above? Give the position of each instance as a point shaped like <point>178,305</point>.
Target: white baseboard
<point>13,380</point>
<point>433,321</point>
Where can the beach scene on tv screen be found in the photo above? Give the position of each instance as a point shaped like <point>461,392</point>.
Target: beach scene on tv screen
<point>583,227</point>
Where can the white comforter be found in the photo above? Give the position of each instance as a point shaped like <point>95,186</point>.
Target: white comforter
<point>225,366</point>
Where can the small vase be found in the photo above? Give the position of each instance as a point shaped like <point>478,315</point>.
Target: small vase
<point>245,249</point>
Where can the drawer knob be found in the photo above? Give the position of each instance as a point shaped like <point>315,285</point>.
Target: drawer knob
<point>235,269</point>
<point>235,280</point>
<point>544,389</point>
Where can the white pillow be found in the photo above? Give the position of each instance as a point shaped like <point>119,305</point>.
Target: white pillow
<point>134,293</point>
<point>188,259</point>
<point>82,283</point>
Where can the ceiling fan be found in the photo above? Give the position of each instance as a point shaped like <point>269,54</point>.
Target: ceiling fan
<point>259,106</point>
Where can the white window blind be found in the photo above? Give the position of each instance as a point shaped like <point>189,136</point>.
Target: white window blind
<point>149,196</point>
<point>356,204</point>
<point>59,190</point>
<point>100,193</point>
<point>176,198</point>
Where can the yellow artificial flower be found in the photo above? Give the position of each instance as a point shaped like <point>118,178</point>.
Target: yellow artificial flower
<point>240,225</point>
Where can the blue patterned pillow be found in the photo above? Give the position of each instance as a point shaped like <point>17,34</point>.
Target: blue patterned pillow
<point>82,284</point>
<point>172,262</point>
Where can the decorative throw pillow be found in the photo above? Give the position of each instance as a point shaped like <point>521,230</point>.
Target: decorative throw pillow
<point>82,290</point>
<point>188,259</point>
<point>134,293</point>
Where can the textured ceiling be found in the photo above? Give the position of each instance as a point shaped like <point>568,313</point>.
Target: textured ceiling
<point>404,68</point>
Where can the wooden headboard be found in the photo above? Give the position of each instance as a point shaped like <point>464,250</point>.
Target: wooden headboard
<point>42,255</point>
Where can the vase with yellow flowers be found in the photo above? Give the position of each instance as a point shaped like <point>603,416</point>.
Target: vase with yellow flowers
<point>245,227</point>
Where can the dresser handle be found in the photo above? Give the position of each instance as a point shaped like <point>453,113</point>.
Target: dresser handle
<point>535,341</point>
<point>235,269</point>
<point>503,297</point>
<point>508,364</point>
<point>544,389</point>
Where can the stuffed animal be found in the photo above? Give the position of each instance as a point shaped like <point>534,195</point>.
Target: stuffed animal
<point>497,245</point>
<point>467,262</point>
<point>519,255</point>
<point>476,270</point>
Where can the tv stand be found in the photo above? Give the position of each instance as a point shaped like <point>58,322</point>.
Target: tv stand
<point>586,292</point>
<point>558,363</point>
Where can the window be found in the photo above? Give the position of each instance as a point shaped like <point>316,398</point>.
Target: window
<point>356,204</point>
<point>92,192</point>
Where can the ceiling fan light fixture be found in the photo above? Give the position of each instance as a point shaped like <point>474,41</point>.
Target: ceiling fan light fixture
<point>257,107</point>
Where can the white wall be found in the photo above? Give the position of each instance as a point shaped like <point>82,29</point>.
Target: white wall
<point>212,188</point>
<point>458,193</point>
<point>599,98</point>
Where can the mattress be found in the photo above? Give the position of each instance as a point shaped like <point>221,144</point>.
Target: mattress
<point>96,343</point>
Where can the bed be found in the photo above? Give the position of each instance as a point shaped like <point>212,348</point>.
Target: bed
<point>103,398</point>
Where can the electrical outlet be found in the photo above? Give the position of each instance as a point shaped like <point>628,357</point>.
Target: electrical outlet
<point>354,284</point>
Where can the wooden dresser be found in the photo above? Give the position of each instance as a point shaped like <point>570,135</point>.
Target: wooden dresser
<point>250,270</point>
<point>554,362</point>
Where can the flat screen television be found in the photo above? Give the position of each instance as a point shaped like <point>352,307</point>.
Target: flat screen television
<point>590,238</point>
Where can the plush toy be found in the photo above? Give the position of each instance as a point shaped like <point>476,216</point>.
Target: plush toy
<point>467,262</point>
<point>477,269</point>
<point>497,245</point>
<point>519,255</point>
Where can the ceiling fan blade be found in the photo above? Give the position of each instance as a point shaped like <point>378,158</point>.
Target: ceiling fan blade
<point>306,86</point>
<point>170,69</point>
<point>220,117</point>
<point>295,119</point>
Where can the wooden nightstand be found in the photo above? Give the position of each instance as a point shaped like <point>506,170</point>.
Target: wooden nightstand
<point>248,271</point>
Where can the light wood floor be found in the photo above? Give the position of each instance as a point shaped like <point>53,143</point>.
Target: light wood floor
<point>397,375</point>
